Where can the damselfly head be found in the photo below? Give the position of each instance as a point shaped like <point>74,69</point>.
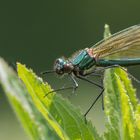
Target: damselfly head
<point>62,66</point>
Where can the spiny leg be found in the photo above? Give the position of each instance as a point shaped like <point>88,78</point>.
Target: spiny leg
<point>102,97</point>
<point>94,83</point>
<point>94,73</point>
<point>74,87</point>
<point>94,103</point>
<point>130,75</point>
<point>113,66</point>
<point>103,101</point>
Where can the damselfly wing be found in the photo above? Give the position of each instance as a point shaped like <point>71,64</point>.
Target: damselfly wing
<point>122,45</point>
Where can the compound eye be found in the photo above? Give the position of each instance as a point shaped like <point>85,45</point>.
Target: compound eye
<point>60,63</point>
<point>59,66</point>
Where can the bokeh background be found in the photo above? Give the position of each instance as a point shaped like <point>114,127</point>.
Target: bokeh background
<point>35,33</point>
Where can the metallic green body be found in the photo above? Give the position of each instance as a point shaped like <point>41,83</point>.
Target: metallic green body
<point>84,61</point>
<point>123,62</point>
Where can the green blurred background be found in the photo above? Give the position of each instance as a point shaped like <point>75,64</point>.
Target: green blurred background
<point>37,32</point>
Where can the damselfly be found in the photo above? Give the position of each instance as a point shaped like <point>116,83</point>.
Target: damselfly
<point>119,50</point>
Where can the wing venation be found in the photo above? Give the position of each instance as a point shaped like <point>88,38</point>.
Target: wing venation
<point>124,44</point>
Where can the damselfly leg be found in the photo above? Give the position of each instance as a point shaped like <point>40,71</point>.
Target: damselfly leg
<point>101,93</point>
<point>74,87</point>
<point>117,66</point>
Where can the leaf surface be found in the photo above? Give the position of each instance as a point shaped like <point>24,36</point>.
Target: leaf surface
<point>63,117</point>
<point>31,119</point>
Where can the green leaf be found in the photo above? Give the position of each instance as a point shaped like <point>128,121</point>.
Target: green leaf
<point>137,122</point>
<point>54,117</point>
<point>31,119</point>
<point>63,117</point>
<point>121,105</point>
<point>118,106</point>
<point>107,32</point>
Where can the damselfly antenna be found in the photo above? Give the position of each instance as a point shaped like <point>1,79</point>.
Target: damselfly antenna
<point>46,72</point>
